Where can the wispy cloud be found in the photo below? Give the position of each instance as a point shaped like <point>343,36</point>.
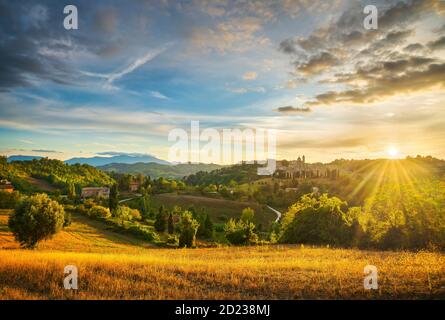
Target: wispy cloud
<point>158,95</point>
<point>26,141</point>
<point>111,77</point>
<point>251,75</point>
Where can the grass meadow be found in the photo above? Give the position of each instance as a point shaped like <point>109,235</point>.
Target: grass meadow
<point>113,266</point>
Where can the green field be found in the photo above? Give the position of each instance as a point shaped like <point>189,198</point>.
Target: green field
<point>216,208</point>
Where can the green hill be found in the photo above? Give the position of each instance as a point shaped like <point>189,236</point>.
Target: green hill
<point>50,175</point>
<point>156,170</point>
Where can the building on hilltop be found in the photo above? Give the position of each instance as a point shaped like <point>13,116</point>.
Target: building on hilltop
<point>134,186</point>
<point>6,186</point>
<point>95,192</point>
<point>299,169</point>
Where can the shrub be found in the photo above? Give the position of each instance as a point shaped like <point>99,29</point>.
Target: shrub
<point>317,220</point>
<point>173,240</point>
<point>161,220</point>
<point>67,219</point>
<point>144,233</point>
<point>9,200</point>
<point>36,218</point>
<point>188,229</point>
<point>247,215</point>
<point>99,212</point>
<point>123,213</point>
<point>240,232</point>
<point>170,226</point>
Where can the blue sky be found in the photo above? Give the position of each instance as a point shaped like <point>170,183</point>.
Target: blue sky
<point>137,69</point>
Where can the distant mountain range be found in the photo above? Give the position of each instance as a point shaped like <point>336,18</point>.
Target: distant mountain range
<point>23,158</point>
<point>102,159</point>
<point>113,157</point>
<point>156,170</point>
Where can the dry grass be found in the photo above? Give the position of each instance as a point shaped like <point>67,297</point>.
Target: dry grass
<point>115,267</point>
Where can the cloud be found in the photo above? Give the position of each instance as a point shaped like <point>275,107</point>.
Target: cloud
<point>234,34</point>
<point>414,47</point>
<point>245,90</point>
<point>324,143</point>
<point>378,88</point>
<point>437,44</point>
<point>158,95</point>
<point>373,65</point>
<point>26,141</point>
<point>46,151</point>
<point>251,75</point>
<point>318,64</point>
<point>291,109</point>
<point>111,77</point>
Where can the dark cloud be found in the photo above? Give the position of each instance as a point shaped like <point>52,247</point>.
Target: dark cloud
<point>46,151</point>
<point>288,46</point>
<point>414,47</point>
<point>374,58</point>
<point>291,109</point>
<point>35,46</point>
<point>437,44</point>
<point>379,88</point>
<point>317,64</point>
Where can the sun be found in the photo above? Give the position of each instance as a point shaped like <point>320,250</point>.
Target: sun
<point>392,152</point>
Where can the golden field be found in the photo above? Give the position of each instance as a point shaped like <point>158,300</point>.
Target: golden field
<point>113,266</point>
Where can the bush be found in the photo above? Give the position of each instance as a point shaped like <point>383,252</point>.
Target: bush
<point>35,219</point>
<point>99,212</point>
<point>67,219</point>
<point>173,240</point>
<point>161,220</point>
<point>144,233</point>
<point>240,232</point>
<point>188,229</point>
<point>247,215</point>
<point>9,200</point>
<point>317,220</point>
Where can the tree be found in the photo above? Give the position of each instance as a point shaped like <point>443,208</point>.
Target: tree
<point>317,220</point>
<point>171,226</point>
<point>71,191</point>
<point>113,201</point>
<point>36,218</point>
<point>144,205</point>
<point>124,213</point>
<point>208,226</point>
<point>247,215</point>
<point>9,200</point>
<point>188,229</point>
<point>99,212</point>
<point>240,232</point>
<point>161,220</point>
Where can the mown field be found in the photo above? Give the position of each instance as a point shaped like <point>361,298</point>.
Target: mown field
<point>113,266</point>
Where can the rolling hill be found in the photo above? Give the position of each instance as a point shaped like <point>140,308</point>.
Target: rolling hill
<point>156,170</point>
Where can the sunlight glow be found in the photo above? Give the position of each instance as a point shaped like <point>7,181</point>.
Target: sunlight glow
<point>392,152</point>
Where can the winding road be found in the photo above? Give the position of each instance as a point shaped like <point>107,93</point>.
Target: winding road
<point>278,213</point>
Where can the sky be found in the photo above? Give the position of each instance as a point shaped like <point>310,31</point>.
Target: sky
<point>135,70</point>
